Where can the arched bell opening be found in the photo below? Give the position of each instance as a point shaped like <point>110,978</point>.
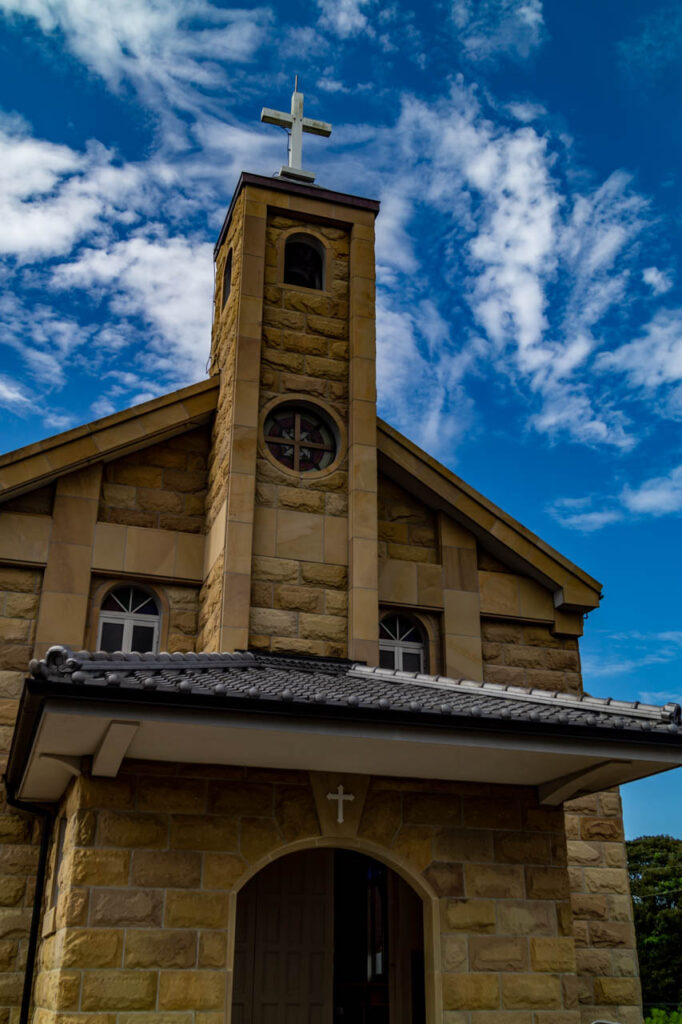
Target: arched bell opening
<point>328,936</point>
<point>304,261</point>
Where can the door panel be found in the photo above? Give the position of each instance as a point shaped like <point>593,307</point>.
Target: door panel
<point>284,954</point>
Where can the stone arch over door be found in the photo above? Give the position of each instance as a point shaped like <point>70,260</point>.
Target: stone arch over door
<point>405,888</point>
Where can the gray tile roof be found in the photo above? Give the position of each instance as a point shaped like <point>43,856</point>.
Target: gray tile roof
<point>308,682</point>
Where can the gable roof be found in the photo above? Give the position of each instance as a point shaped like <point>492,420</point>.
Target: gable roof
<point>102,440</point>
<point>499,532</point>
<point>399,458</point>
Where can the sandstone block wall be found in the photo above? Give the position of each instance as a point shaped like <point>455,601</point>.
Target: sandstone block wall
<point>300,540</point>
<point>143,917</point>
<point>163,486</point>
<point>210,607</point>
<point>19,833</point>
<point>407,527</point>
<point>19,600</point>
<point>223,362</point>
<point>529,654</point>
<point>427,564</point>
<point>602,910</point>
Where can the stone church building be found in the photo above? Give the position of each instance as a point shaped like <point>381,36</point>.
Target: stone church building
<point>352,776</point>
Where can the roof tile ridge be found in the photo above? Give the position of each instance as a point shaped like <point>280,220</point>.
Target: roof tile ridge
<point>605,705</point>
<point>63,660</point>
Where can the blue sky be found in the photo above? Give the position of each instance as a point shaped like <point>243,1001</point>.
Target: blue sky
<point>527,155</point>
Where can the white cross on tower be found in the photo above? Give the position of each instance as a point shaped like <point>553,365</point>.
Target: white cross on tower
<point>297,124</point>
<point>340,797</point>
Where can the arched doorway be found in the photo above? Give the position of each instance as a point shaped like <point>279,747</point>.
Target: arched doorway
<point>328,936</point>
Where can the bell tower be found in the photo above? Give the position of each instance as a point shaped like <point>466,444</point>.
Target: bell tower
<point>291,554</point>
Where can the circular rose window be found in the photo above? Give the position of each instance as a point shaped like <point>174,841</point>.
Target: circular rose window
<point>301,437</point>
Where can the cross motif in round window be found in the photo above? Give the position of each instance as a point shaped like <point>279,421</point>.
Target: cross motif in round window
<point>301,437</point>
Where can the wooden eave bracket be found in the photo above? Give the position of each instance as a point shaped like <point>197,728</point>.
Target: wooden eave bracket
<point>590,780</point>
<point>113,748</point>
<point>72,764</point>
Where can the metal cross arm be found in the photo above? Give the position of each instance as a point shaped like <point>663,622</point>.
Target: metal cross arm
<point>296,124</point>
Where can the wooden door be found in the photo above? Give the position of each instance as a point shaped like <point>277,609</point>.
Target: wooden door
<point>284,945</point>
<point>406,953</point>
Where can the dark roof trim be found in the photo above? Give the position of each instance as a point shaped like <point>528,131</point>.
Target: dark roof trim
<point>278,184</point>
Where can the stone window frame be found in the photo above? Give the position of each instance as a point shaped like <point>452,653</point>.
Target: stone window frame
<point>102,587</point>
<point>430,623</point>
<point>321,407</point>
<point>305,229</point>
<point>229,247</point>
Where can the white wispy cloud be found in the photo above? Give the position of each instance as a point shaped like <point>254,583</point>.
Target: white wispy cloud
<point>418,386</point>
<point>658,280</point>
<point>617,654</point>
<point>153,45</point>
<point>588,522</point>
<point>13,395</point>
<point>166,282</point>
<point>658,496</point>
<point>44,206</point>
<point>490,28</point>
<point>45,338</point>
<point>526,111</point>
<point>345,17</point>
<point>58,421</point>
<point>652,360</point>
<point>520,236</point>
<point>52,197</point>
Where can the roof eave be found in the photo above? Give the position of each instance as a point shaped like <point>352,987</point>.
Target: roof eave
<point>586,759</point>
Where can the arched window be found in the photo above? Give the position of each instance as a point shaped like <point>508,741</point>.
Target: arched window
<point>304,262</point>
<point>227,279</point>
<point>129,621</point>
<point>401,643</point>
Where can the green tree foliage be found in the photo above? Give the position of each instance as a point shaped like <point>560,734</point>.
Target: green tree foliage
<point>655,865</point>
<point>658,1016</point>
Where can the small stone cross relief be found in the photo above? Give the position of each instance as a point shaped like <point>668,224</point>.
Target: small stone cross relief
<point>340,798</point>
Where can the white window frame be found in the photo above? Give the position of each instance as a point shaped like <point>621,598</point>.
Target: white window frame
<point>130,620</point>
<point>404,646</point>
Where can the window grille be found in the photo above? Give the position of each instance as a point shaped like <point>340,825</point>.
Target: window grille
<point>401,643</point>
<point>129,621</point>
